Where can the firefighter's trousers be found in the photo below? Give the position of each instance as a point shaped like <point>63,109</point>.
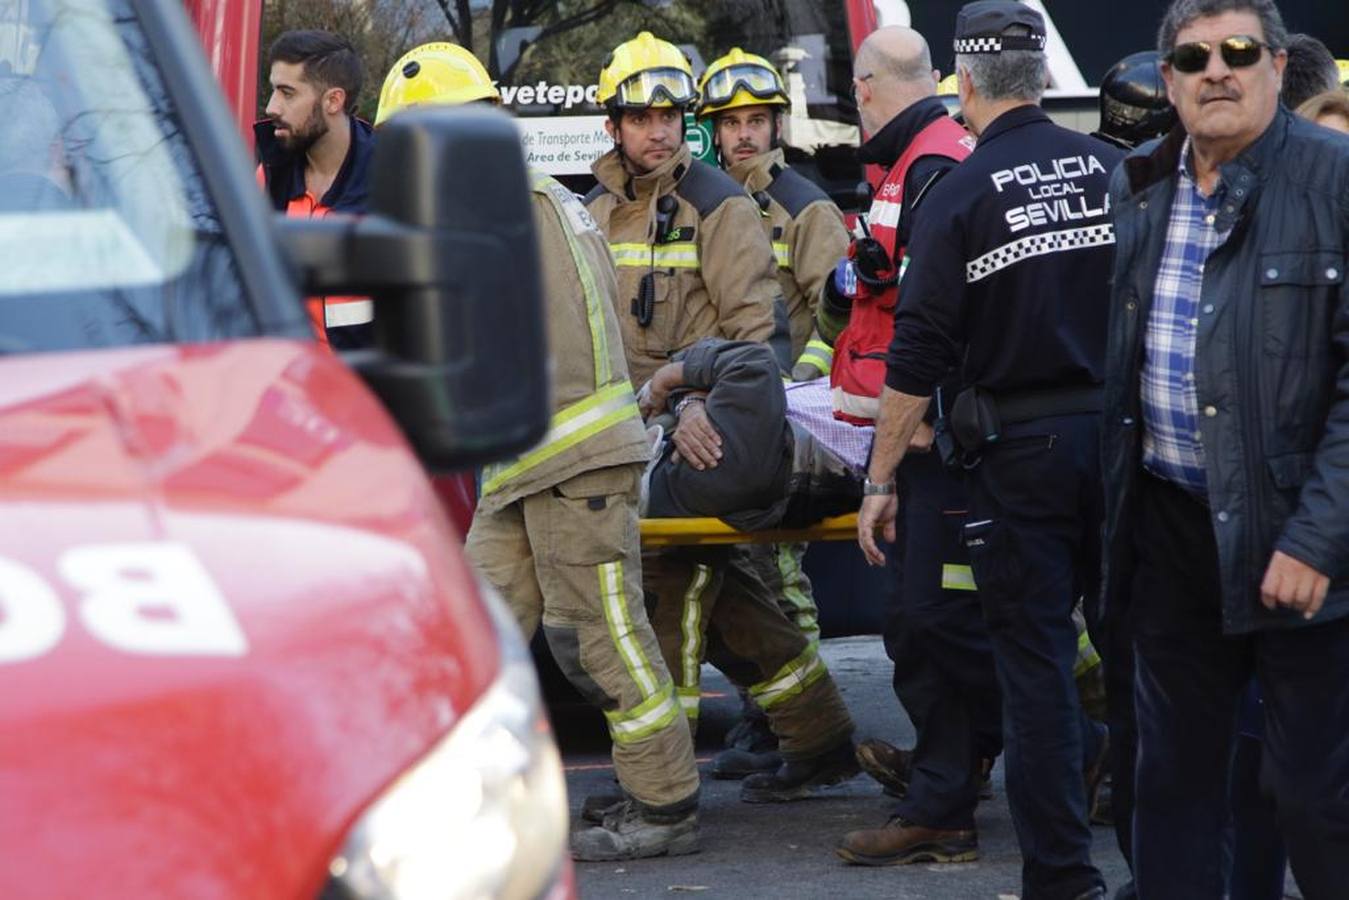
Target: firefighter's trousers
<point>570,556</point>
<point>693,589</point>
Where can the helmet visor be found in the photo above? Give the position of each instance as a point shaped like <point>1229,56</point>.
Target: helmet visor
<point>649,87</point>
<point>756,80</point>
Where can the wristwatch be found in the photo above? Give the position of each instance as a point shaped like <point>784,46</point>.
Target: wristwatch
<point>870,488</point>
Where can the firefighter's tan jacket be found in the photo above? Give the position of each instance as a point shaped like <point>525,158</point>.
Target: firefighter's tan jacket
<point>713,274</point>
<point>807,231</point>
<point>595,423</point>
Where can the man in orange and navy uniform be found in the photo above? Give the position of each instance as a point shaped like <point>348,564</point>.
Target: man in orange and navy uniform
<point>315,154</point>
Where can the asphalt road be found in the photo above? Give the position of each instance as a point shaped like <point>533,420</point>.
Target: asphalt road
<point>787,851</point>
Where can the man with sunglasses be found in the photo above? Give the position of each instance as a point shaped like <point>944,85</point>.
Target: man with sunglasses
<point>1226,448</point>
<point>1006,281</point>
<point>694,262</point>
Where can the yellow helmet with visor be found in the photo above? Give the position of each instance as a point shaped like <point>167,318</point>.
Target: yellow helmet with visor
<point>645,72</point>
<point>740,79</point>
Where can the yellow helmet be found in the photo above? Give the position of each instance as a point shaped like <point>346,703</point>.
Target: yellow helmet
<point>740,79</point>
<point>646,72</point>
<point>434,73</point>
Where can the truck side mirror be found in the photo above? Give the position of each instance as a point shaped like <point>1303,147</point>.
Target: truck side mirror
<point>448,253</point>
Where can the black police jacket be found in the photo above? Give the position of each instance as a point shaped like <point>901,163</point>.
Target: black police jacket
<point>1271,362</point>
<point>1008,266</point>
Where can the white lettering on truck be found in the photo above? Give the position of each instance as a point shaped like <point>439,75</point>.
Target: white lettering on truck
<point>152,597</point>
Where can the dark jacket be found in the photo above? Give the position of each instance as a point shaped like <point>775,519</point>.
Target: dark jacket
<point>772,473</point>
<point>283,171</point>
<point>1271,362</point>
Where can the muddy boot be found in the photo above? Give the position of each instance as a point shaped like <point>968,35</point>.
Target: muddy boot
<point>799,779</point>
<point>886,763</point>
<point>751,745</point>
<point>595,806</point>
<point>629,833</point>
<point>900,842</point>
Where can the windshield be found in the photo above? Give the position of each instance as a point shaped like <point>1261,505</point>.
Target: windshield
<point>107,233</point>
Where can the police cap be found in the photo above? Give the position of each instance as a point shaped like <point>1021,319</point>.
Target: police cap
<point>981,27</point>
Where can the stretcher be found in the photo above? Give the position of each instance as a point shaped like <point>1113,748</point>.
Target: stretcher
<point>707,532</point>
<point>810,405</point>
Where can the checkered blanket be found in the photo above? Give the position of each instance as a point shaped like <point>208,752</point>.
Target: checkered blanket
<point>810,404</point>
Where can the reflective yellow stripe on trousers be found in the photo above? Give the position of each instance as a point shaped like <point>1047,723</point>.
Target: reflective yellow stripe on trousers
<point>583,419</point>
<point>790,680</point>
<point>674,255</point>
<point>658,707</point>
<point>783,254</point>
<point>691,641</point>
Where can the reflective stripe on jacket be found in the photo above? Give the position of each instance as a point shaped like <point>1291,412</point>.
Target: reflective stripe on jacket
<point>595,421</point>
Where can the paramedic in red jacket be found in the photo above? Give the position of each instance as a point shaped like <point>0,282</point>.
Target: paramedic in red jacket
<point>934,631</point>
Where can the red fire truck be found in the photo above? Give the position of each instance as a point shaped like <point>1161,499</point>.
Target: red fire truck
<point>240,653</point>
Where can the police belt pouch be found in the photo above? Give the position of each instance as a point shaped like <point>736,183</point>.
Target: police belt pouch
<point>978,417</point>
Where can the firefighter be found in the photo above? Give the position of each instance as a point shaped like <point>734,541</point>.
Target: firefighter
<point>555,530</point>
<point>744,97</point>
<point>694,262</point>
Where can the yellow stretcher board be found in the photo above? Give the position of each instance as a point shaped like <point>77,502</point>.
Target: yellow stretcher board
<point>704,532</point>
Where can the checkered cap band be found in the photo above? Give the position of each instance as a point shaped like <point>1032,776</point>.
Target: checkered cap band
<point>999,43</point>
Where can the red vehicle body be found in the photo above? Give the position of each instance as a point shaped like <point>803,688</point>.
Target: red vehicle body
<point>239,646</point>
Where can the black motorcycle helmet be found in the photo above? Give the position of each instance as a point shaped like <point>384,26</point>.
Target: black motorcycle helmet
<point>1134,106</point>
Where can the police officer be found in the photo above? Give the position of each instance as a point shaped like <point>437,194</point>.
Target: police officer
<point>693,262</point>
<point>744,97</point>
<point>934,631</point>
<point>1007,278</point>
<point>555,529</point>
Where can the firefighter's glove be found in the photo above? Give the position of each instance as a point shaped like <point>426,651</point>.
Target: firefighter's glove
<point>875,268</point>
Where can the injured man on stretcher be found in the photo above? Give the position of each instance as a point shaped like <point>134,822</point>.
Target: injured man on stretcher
<point>725,445</point>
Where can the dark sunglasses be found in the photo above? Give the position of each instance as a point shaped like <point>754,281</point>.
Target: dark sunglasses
<point>1238,51</point>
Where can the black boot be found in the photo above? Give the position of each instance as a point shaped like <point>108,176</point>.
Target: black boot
<point>799,779</point>
<point>751,746</point>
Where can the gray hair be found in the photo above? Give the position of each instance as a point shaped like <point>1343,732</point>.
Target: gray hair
<point>1009,75</point>
<point>1183,12</point>
<point>33,126</point>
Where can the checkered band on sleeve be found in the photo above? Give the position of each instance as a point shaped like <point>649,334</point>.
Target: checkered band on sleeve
<point>1037,245</point>
<point>999,43</point>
